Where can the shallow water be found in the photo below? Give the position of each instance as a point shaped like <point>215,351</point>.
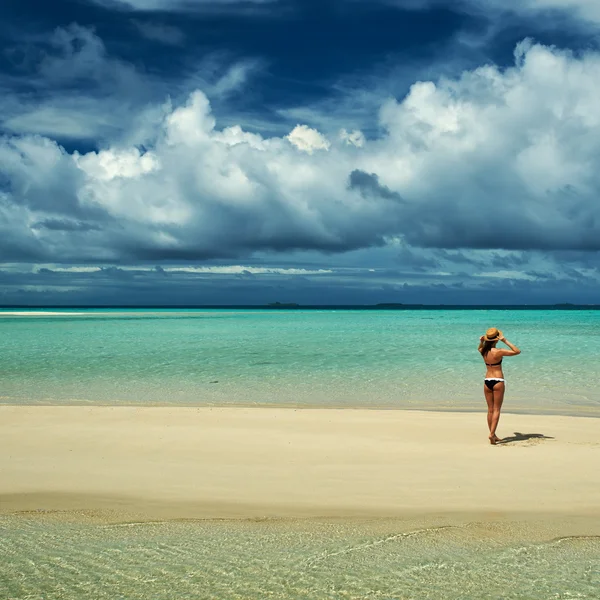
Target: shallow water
<point>51,558</point>
<point>423,359</point>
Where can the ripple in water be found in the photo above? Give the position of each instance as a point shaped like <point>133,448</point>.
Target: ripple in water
<point>51,558</point>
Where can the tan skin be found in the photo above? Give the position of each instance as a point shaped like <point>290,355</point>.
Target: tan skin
<point>495,397</point>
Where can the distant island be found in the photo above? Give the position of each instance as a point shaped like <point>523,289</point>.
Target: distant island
<point>283,305</point>
<point>292,305</point>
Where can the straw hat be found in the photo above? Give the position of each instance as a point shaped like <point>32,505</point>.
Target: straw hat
<point>492,335</point>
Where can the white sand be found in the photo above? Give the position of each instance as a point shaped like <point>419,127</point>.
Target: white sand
<point>236,462</point>
<point>36,313</point>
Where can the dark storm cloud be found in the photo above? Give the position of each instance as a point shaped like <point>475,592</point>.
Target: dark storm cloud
<point>548,11</point>
<point>444,228</point>
<point>458,257</point>
<point>417,260</point>
<point>65,225</point>
<point>445,224</point>
<point>147,286</point>
<point>541,275</point>
<point>245,6</point>
<point>589,260</point>
<point>368,184</point>
<point>68,87</point>
<point>19,246</point>
<point>509,261</point>
<point>67,84</point>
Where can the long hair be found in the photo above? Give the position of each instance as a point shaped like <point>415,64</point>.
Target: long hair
<point>487,346</point>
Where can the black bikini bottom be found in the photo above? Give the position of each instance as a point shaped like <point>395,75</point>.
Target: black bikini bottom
<point>490,383</point>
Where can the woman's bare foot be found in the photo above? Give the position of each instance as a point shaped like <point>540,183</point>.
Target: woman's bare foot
<point>493,439</point>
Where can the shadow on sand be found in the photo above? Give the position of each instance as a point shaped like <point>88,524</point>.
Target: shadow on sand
<point>523,437</point>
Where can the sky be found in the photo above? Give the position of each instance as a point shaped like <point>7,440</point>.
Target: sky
<point>202,152</point>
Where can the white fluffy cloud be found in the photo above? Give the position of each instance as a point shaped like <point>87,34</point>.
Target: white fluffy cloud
<point>107,165</point>
<point>493,159</point>
<point>308,140</point>
<point>353,138</point>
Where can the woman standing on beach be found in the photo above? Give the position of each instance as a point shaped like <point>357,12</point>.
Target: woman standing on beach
<point>493,384</point>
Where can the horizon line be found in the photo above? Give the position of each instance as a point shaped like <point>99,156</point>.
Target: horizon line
<point>295,306</point>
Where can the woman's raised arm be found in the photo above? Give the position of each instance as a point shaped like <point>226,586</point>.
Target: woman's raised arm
<point>513,349</point>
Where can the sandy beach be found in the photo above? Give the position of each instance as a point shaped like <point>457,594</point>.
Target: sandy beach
<point>37,313</point>
<point>237,462</point>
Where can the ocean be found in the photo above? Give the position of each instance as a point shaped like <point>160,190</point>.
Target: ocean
<point>393,359</point>
<point>51,557</point>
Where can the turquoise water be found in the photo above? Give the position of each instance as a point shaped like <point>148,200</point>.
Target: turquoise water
<point>346,358</point>
<point>44,558</point>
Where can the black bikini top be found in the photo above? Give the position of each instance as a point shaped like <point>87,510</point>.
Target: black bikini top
<point>492,364</point>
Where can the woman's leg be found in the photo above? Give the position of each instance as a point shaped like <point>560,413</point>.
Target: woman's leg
<point>489,398</point>
<point>496,408</point>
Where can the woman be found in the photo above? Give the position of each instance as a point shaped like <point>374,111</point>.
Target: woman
<point>493,384</point>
